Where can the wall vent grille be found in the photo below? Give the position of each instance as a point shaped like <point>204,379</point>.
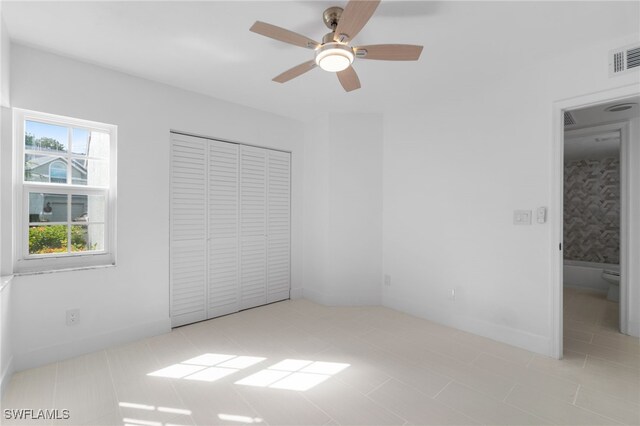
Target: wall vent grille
<point>633,58</point>
<point>568,119</point>
<point>624,59</point>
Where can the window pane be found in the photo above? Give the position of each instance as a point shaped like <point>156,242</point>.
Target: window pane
<point>58,172</point>
<point>87,238</point>
<point>45,168</point>
<point>89,172</point>
<point>45,137</point>
<point>47,207</point>
<point>48,239</point>
<point>87,208</point>
<point>91,143</point>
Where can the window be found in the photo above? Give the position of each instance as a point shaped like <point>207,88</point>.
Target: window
<point>66,184</point>
<point>58,172</point>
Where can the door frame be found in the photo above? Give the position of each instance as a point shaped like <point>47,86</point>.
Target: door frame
<point>556,208</point>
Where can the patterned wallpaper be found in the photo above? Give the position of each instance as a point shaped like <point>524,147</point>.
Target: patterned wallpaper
<point>592,210</point>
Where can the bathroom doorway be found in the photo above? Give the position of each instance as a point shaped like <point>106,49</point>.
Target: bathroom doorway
<point>597,284</point>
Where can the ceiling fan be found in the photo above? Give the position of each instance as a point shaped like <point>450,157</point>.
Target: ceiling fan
<point>335,54</point>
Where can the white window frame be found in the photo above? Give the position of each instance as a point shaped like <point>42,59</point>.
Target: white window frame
<point>24,262</point>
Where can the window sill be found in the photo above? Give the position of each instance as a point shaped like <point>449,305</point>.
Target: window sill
<point>53,271</point>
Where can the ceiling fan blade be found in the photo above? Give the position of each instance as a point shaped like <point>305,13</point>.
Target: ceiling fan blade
<point>390,52</point>
<point>354,17</point>
<point>281,34</point>
<point>296,71</point>
<point>349,79</point>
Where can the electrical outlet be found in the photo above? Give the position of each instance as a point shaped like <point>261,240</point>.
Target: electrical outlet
<point>73,316</point>
<point>522,217</point>
<point>387,280</point>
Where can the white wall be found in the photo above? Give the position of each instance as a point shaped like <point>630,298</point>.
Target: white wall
<point>130,300</point>
<point>6,343</point>
<point>5,51</point>
<point>343,209</point>
<point>454,171</point>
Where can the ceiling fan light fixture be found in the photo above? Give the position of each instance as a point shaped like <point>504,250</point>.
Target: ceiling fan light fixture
<point>334,57</point>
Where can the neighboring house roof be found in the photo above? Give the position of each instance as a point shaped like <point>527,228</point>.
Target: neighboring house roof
<point>39,161</point>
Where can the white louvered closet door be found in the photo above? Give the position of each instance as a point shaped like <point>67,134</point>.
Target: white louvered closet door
<point>223,203</point>
<point>278,225</point>
<point>230,228</point>
<point>253,226</point>
<point>188,263</point>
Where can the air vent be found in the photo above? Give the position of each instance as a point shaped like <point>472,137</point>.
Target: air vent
<point>624,59</point>
<point>633,58</point>
<point>568,119</point>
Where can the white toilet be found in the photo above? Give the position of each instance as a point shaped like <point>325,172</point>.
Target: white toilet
<point>613,278</point>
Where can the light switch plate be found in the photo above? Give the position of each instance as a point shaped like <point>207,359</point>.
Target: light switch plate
<point>522,217</point>
<point>541,214</point>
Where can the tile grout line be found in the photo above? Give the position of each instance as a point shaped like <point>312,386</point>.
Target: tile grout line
<point>475,358</point>
<point>319,408</point>
<point>379,386</point>
<point>575,397</point>
<point>488,396</point>
<point>509,393</point>
<point>55,386</point>
<point>551,420</point>
<point>113,382</point>
<point>598,414</point>
<point>239,394</point>
<point>442,390</point>
<point>388,410</point>
<point>530,361</point>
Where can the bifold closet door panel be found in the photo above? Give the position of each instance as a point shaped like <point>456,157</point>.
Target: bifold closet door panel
<point>188,210</point>
<point>278,226</point>
<point>253,229</point>
<point>223,204</point>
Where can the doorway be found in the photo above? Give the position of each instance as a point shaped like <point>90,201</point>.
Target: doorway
<point>593,142</point>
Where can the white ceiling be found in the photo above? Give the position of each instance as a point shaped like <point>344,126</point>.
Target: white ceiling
<point>206,46</point>
<point>599,143</point>
<point>598,115</point>
<point>592,147</point>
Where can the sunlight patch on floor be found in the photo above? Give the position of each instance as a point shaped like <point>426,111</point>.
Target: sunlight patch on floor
<point>239,419</point>
<point>291,374</point>
<point>207,367</point>
<point>294,374</point>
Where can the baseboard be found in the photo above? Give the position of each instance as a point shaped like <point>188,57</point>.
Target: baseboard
<point>5,378</point>
<point>333,299</point>
<point>314,296</point>
<point>66,350</point>
<point>508,335</point>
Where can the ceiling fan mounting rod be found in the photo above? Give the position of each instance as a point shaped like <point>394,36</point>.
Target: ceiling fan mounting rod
<point>331,16</point>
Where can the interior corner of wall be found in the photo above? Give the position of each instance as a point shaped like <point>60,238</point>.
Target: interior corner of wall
<point>5,56</point>
<point>5,376</point>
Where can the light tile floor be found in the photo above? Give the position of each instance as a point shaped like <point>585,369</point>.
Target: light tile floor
<point>367,366</point>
